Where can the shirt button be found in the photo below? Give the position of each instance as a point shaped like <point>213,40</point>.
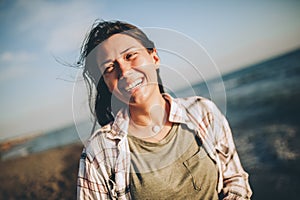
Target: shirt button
<point>83,156</point>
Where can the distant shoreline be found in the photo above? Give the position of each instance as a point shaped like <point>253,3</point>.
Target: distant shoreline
<point>9,143</point>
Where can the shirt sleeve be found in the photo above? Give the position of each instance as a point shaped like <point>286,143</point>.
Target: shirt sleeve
<point>235,179</point>
<point>90,183</point>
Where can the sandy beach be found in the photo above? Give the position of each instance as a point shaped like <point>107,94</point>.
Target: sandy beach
<point>50,174</point>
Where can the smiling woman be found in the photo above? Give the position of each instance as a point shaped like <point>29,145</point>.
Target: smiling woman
<point>128,68</point>
<point>150,145</point>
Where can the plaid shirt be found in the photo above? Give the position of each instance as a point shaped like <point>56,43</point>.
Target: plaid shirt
<point>105,162</point>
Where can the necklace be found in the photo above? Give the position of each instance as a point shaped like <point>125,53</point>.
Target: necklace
<point>152,129</point>
<point>156,128</point>
<point>148,131</point>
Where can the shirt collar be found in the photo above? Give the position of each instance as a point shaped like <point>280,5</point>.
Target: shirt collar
<point>177,111</point>
<point>120,125</point>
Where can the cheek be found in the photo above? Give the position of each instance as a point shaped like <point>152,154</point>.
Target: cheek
<point>151,73</point>
<point>110,84</point>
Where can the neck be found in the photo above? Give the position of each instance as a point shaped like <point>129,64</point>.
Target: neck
<point>150,123</point>
<point>154,112</point>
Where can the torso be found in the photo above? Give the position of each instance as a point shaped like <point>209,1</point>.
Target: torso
<point>175,167</point>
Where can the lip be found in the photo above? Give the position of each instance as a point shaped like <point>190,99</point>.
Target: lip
<point>134,84</point>
<point>130,89</point>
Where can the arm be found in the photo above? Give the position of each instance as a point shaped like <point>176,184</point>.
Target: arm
<point>218,142</point>
<point>90,183</point>
<point>235,179</point>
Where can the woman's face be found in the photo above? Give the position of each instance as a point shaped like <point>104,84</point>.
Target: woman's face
<point>129,70</point>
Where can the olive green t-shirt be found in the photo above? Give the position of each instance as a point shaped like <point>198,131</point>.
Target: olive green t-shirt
<point>176,167</point>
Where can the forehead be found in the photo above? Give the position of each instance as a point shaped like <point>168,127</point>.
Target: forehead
<point>115,45</point>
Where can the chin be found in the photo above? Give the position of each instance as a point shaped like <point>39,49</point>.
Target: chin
<point>140,98</point>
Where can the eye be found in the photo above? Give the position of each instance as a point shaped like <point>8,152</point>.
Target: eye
<point>130,55</point>
<point>109,68</point>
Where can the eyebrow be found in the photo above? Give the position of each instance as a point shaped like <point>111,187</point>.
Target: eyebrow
<point>124,51</point>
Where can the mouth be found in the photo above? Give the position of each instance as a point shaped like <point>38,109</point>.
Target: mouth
<point>134,85</point>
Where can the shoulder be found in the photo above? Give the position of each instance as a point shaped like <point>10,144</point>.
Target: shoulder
<point>97,143</point>
<point>202,112</point>
<point>198,104</point>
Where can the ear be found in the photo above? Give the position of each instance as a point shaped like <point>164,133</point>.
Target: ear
<point>156,58</point>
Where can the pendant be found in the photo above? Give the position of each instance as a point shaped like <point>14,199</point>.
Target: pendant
<point>156,128</point>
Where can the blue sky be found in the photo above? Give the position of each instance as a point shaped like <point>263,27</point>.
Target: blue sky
<point>34,98</point>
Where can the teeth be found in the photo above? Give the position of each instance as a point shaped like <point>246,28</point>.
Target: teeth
<point>133,85</point>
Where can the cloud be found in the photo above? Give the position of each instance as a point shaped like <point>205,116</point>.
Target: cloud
<point>19,57</point>
<point>6,57</point>
<point>64,39</point>
<point>58,26</point>
<point>46,27</point>
<point>13,64</point>
<point>12,72</point>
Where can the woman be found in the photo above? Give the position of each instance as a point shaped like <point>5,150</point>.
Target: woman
<point>150,146</point>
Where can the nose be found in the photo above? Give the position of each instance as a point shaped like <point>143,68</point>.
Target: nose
<point>124,69</point>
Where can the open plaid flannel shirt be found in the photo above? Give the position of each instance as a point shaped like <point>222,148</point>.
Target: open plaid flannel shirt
<point>105,162</point>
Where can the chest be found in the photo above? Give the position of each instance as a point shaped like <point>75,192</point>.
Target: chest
<point>178,167</point>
